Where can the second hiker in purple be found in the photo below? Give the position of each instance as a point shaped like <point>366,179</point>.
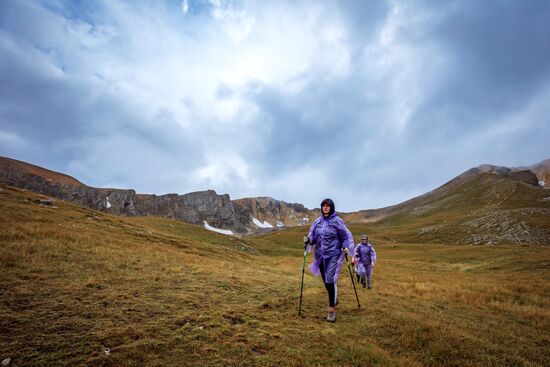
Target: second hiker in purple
<point>365,258</point>
<point>332,239</point>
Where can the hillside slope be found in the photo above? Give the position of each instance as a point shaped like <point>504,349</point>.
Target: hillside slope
<point>484,205</point>
<point>13,170</point>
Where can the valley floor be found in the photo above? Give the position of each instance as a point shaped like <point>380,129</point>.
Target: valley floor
<point>84,288</point>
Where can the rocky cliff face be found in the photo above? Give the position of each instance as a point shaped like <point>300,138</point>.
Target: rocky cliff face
<point>265,212</point>
<point>216,210</point>
<point>196,207</point>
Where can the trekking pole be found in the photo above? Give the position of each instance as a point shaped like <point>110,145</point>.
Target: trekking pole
<point>302,285</point>
<point>352,282</point>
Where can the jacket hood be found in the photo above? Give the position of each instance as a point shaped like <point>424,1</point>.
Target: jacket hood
<point>332,208</point>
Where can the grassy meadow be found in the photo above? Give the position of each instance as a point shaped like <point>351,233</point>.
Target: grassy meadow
<point>78,287</point>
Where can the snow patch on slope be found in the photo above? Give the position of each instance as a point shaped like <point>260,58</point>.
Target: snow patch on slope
<point>259,224</point>
<point>222,231</point>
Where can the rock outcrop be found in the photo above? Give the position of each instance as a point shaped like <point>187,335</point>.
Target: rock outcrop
<point>265,212</point>
<point>542,170</point>
<point>196,207</point>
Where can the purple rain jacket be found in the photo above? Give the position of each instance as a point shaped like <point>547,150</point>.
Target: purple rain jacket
<point>365,257</point>
<point>330,235</point>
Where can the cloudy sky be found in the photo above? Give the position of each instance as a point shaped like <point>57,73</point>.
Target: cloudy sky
<point>368,102</point>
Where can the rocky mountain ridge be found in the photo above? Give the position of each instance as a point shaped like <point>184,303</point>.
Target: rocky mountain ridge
<point>484,205</point>
<point>201,208</point>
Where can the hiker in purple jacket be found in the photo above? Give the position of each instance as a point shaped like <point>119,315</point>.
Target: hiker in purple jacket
<point>365,258</point>
<point>332,239</point>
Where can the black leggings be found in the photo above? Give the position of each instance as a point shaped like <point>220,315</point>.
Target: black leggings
<point>331,288</point>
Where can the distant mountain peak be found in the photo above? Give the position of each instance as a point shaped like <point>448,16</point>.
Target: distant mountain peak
<point>493,169</point>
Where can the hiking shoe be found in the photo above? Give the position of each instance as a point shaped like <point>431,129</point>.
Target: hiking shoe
<point>365,286</point>
<point>370,287</point>
<point>331,316</point>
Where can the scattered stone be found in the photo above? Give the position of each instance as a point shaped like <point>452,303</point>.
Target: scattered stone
<point>502,226</point>
<point>45,202</point>
<point>6,361</point>
<point>107,351</point>
<point>429,229</point>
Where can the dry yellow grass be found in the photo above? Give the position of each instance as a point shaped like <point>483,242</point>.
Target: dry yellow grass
<point>158,292</point>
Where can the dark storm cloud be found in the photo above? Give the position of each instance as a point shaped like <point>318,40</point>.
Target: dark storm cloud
<point>497,62</point>
<point>313,124</point>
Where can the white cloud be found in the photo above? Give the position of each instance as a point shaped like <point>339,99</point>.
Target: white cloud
<point>12,139</point>
<point>304,184</point>
<point>402,73</point>
<point>237,24</point>
<point>223,170</point>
